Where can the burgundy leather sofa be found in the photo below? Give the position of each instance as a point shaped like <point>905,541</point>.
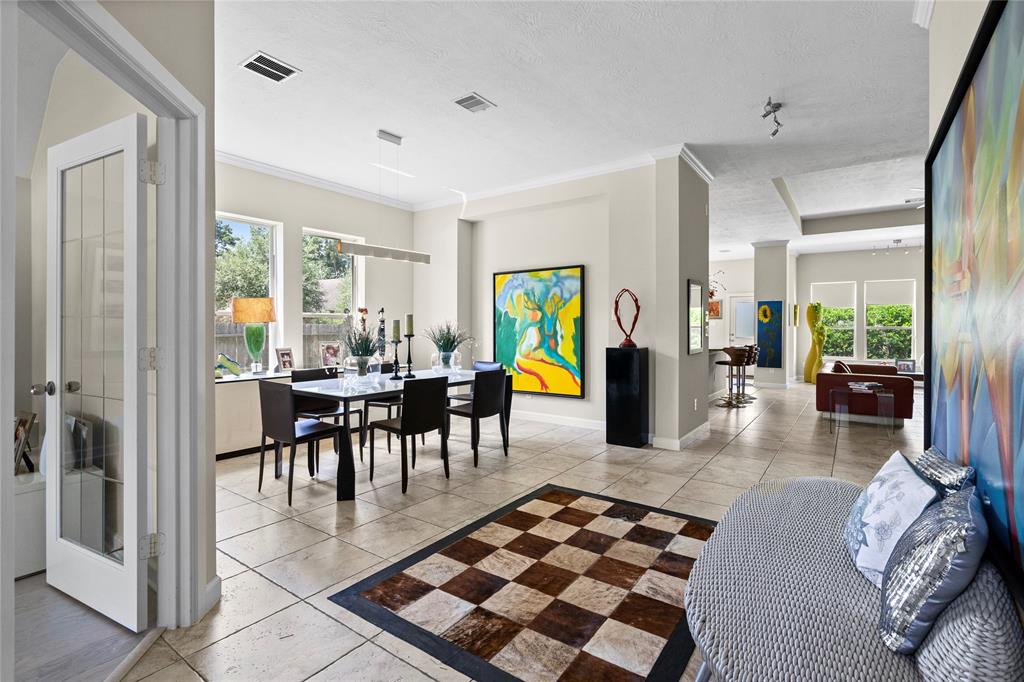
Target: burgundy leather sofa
<point>902,388</point>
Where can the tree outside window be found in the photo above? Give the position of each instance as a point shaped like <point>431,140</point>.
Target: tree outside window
<point>242,267</point>
<point>890,331</point>
<point>839,341</point>
<point>327,293</point>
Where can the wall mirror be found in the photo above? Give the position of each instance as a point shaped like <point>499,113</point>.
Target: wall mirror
<point>696,314</point>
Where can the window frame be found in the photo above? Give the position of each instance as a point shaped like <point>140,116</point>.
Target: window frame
<point>913,317</point>
<point>275,286</point>
<point>854,327</point>
<point>358,285</point>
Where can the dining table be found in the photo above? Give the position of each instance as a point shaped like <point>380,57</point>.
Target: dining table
<point>347,389</point>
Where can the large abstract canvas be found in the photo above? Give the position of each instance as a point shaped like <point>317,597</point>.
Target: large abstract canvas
<point>975,182</point>
<point>769,334</point>
<point>538,329</point>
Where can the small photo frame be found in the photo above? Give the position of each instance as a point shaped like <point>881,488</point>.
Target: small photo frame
<point>715,309</point>
<point>330,354</point>
<point>285,359</point>
<point>23,424</point>
<point>906,365</point>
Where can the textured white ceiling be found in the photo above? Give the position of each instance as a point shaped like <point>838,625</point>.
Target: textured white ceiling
<point>579,85</point>
<point>860,188</point>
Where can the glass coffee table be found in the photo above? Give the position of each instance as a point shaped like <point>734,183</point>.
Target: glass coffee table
<point>884,399</point>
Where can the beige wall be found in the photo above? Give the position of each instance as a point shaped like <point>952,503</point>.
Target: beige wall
<point>772,282</point>
<point>950,34</point>
<point>859,267</point>
<point>738,278</point>
<point>297,206</point>
<point>608,223</point>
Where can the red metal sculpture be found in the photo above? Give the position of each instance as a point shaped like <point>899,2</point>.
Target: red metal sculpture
<point>628,341</point>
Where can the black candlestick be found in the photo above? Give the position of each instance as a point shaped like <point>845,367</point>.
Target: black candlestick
<point>397,376</point>
<point>408,361</point>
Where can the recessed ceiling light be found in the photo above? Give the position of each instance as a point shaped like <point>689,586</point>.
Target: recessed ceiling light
<point>389,169</point>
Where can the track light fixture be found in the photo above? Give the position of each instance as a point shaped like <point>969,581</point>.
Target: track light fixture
<point>771,109</point>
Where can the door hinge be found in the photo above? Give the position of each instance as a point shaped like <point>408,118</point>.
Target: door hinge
<point>152,172</point>
<point>149,359</point>
<point>151,545</point>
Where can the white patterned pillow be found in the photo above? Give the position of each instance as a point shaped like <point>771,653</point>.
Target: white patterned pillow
<point>892,501</point>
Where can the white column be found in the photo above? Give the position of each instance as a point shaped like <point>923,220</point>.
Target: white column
<point>774,281</point>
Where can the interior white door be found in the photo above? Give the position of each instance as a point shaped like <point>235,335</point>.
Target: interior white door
<point>742,317</point>
<point>96,468</point>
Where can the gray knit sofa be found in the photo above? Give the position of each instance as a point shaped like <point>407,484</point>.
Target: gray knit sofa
<point>775,596</point>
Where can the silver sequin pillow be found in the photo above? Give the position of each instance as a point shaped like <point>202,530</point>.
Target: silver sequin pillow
<point>932,563</point>
<point>944,474</point>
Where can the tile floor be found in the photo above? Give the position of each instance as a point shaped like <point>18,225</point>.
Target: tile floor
<point>279,565</point>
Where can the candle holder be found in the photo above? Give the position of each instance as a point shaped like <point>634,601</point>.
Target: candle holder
<point>396,376</point>
<point>408,361</point>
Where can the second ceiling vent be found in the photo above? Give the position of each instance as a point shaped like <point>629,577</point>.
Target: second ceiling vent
<point>474,102</point>
<point>269,67</point>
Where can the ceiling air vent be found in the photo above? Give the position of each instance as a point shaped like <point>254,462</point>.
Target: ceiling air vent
<point>474,103</point>
<point>269,67</point>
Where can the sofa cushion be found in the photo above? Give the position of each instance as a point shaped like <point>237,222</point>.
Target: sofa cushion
<point>946,476</point>
<point>892,501</point>
<point>840,367</point>
<point>933,562</point>
<point>773,595</point>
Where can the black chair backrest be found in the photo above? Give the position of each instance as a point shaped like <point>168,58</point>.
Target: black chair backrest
<point>314,374</point>
<point>423,404</point>
<point>484,366</point>
<point>277,408</point>
<point>489,393</point>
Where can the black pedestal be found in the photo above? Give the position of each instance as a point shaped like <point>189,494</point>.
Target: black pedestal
<point>626,396</point>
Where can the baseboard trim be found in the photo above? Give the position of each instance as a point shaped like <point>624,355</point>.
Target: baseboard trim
<point>681,443</point>
<point>210,597</point>
<point>559,419</point>
<point>133,657</point>
<point>765,384</point>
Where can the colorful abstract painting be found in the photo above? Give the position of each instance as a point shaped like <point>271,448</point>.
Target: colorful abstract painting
<point>538,329</point>
<point>976,203</point>
<point>769,334</point>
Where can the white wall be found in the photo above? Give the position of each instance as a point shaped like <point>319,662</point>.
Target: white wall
<point>738,278</point>
<point>859,267</point>
<point>296,206</point>
<point>950,34</point>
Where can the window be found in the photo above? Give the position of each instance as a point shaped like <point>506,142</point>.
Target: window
<point>839,305</point>
<point>889,314</point>
<point>328,294</point>
<point>243,267</point>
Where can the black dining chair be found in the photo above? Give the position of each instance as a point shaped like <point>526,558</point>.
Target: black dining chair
<point>277,409</point>
<point>308,407</point>
<point>423,410</point>
<point>485,366</point>
<point>389,404</point>
<point>488,401</point>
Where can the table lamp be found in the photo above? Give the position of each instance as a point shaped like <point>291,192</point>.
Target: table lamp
<point>254,313</point>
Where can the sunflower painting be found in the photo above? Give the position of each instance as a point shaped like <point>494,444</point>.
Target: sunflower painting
<point>538,329</point>
<point>769,333</point>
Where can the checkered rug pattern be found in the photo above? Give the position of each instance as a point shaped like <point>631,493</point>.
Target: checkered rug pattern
<point>565,586</point>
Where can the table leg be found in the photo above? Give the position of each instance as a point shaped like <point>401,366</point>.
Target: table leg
<point>346,464</point>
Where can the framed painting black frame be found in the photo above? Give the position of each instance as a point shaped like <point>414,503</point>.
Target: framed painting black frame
<point>998,554</point>
<point>583,326</point>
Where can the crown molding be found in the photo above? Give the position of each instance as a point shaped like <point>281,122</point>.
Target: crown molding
<point>695,163</point>
<point>923,13</point>
<point>310,180</point>
<point>545,181</point>
<point>771,242</point>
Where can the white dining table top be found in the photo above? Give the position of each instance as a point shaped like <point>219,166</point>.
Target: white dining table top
<point>376,385</point>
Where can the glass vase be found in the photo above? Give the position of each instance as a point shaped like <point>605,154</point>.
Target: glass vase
<point>446,362</point>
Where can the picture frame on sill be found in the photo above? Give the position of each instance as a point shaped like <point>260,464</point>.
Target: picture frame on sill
<point>330,354</point>
<point>906,365</point>
<point>285,359</point>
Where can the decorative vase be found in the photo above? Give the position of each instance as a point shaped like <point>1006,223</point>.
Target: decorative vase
<point>628,341</point>
<point>814,361</point>
<point>446,361</point>
<point>362,367</point>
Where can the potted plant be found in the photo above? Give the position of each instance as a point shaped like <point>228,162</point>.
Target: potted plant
<point>447,338</point>
<point>362,346</point>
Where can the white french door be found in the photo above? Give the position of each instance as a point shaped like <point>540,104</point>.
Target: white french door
<point>742,317</point>
<point>96,513</point>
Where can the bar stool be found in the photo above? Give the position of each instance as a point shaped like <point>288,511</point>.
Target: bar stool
<point>737,358</point>
<point>750,360</point>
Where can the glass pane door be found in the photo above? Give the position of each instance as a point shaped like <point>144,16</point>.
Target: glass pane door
<point>92,349</point>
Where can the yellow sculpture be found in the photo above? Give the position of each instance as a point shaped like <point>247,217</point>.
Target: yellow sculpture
<point>814,362</point>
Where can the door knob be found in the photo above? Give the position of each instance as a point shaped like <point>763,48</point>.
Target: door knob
<point>40,389</point>
<point>72,387</point>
